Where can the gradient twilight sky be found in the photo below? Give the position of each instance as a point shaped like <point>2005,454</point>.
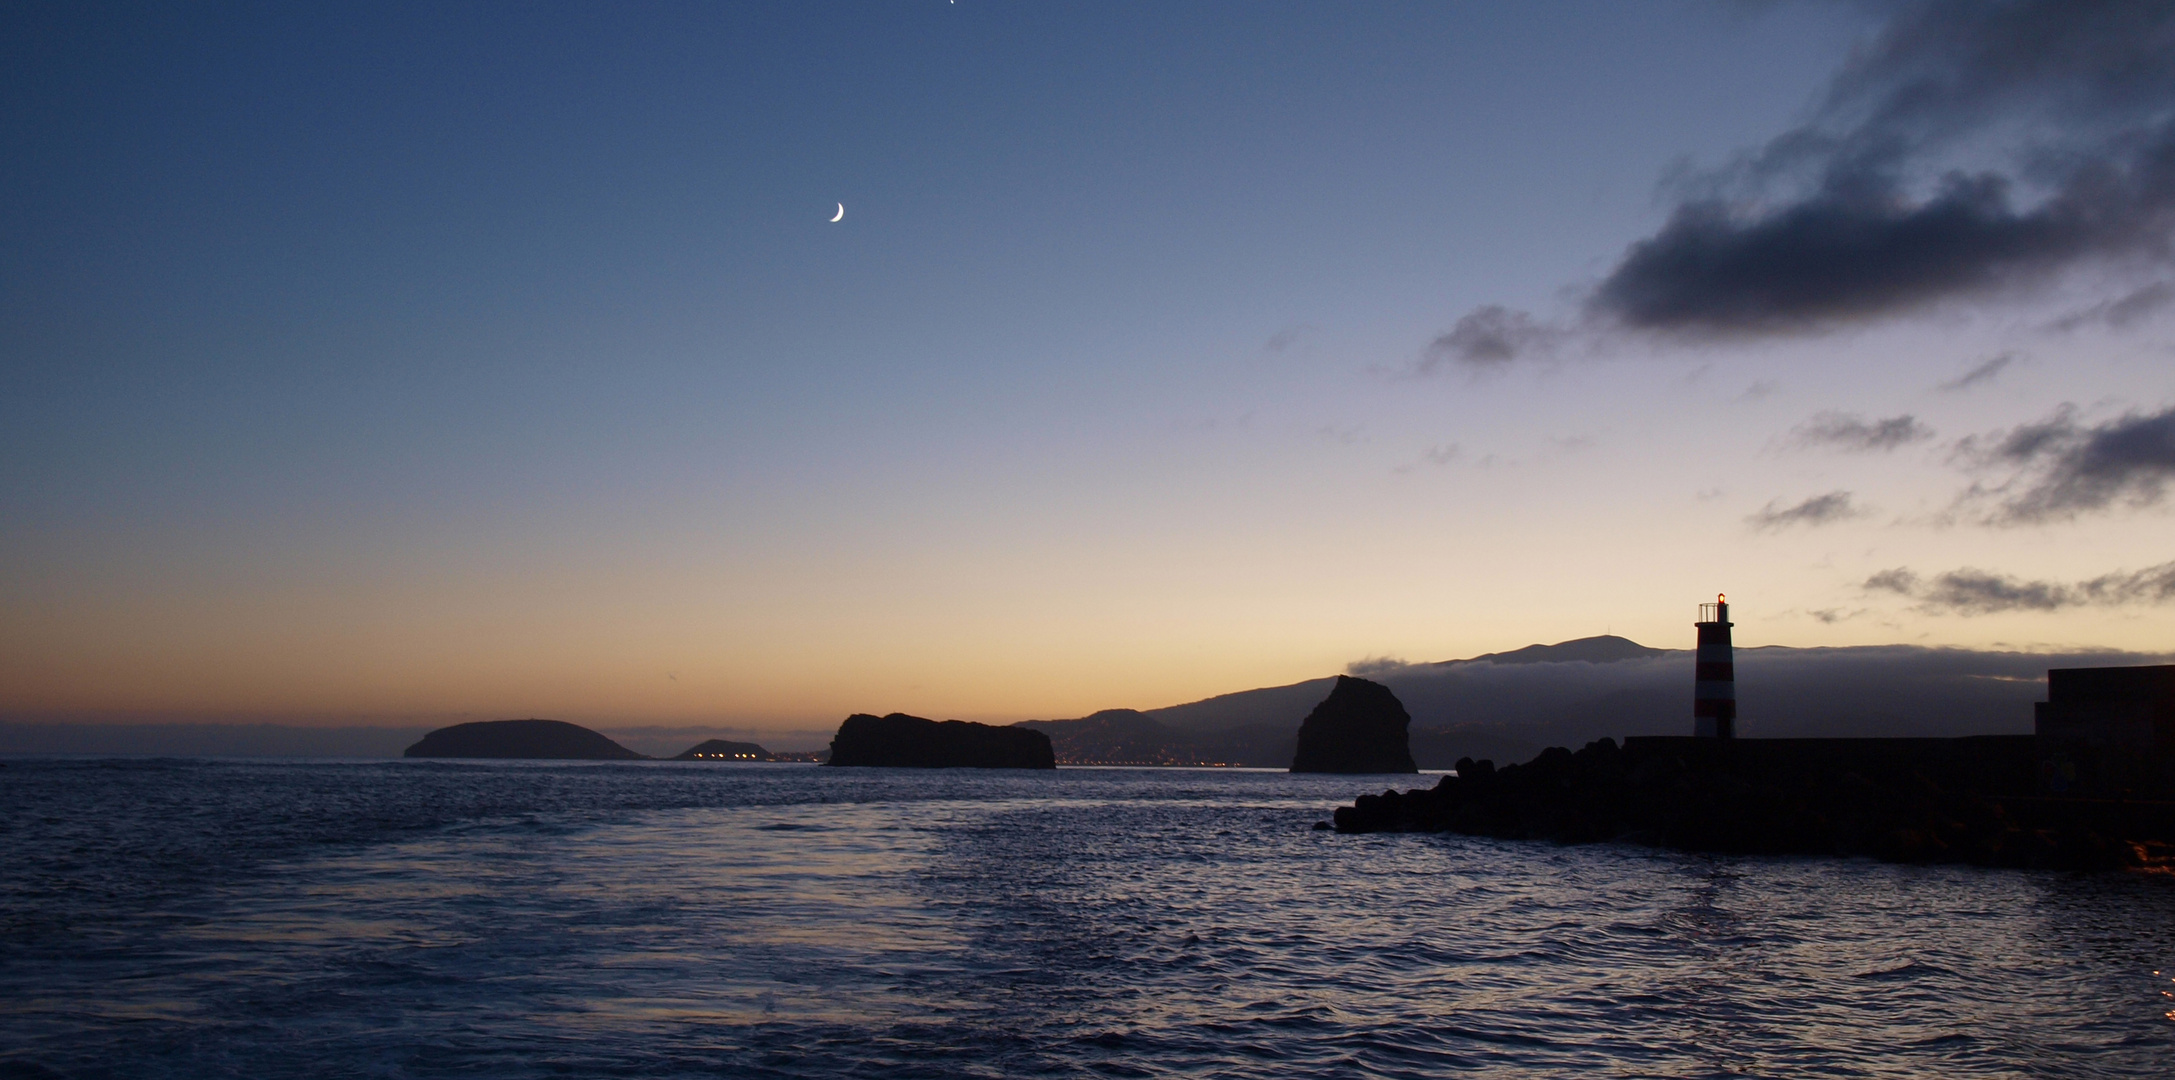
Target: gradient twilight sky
<point>393,361</point>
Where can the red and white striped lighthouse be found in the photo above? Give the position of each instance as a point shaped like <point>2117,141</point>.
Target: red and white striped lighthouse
<point>1714,685</point>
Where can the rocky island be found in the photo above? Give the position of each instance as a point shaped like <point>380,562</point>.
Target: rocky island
<point>1359,728</point>
<point>554,740</point>
<point>902,741</point>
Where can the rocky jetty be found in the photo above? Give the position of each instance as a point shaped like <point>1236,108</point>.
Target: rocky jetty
<point>902,741</point>
<point>1359,728</point>
<point>725,750</point>
<point>547,739</point>
<point>1977,800</point>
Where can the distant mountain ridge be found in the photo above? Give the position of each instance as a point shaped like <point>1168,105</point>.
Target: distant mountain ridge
<point>1599,649</point>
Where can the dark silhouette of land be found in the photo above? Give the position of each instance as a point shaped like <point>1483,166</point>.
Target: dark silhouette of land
<point>554,740</point>
<point>1131,737</point>
<point>1359,728</point>
<point>902,741</point>
<point>1507,706</point>
<point>725,750</point>
<point>1118,737</point>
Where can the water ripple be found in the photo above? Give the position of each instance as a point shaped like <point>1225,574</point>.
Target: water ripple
<point>185,919</point>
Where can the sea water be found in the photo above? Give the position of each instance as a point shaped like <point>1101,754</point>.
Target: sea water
<point>434,919</point>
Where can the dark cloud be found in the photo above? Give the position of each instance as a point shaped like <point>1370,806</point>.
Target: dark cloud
<point>1972,591</point>
<point>2025,442</point>
<point>2061,468</point>
<point>1978,592</point>
<point>1828,259</point>
<point>1898,580</point>
<point>1983,373</point>
<point>1489,337</point>
<point>1974,146</point>
<point>1818,510</point>
<point>1845,431</point>
<point>1284,339</point>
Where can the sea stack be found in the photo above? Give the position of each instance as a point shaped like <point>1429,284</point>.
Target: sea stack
<point>1359,728</point>
<point>546,739</point>
<point>902,741</point>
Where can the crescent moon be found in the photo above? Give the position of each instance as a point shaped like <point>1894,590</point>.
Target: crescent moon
<point>841,213</point>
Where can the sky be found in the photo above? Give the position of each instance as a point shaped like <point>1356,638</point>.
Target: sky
<point>366,363</point>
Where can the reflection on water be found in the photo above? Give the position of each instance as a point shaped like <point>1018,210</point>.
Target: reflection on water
<point>402,920</point>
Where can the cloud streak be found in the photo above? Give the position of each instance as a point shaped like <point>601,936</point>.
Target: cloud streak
<point>1844,431</point>
<point>1971,591</point>
<point>2122,312</point>
<point>1983,373</point>
<point>1437,456</point>
<point>1819,510</point>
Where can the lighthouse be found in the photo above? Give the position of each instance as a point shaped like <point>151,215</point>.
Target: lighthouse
<point>1714,685</point>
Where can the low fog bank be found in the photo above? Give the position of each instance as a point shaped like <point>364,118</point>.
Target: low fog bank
<point>1512,711</point>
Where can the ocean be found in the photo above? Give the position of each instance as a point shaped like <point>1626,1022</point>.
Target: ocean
<point>263,919</point>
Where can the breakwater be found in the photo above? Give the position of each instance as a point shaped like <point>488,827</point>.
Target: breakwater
<point>1979,800</point>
